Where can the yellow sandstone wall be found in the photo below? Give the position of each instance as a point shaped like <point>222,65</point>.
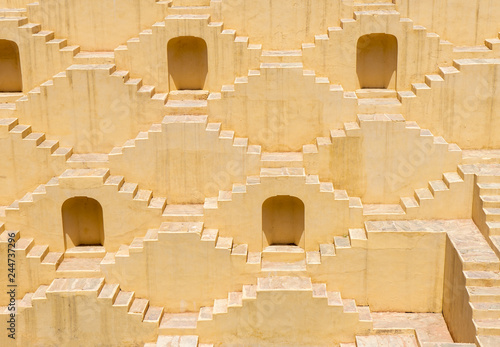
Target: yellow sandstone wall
<point>41,55</point>
<point>91,108</point>
<point>228,55</point>
<point>181,148</point>
<point>98,25</point>
<point>443,18</point>
<point>140,211</point>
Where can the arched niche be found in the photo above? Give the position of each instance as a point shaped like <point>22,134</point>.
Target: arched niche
<point>376,61</point>
<point>10,67</point>
<point>283,221</point>
<point>187,63</point>
<point>82,222</point>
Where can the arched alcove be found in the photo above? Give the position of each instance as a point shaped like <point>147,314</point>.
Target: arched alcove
<point>10,67</point>
<point>82,222</point>
<point>187,63</point>
<point>283,220</point>
<point>376,61</point>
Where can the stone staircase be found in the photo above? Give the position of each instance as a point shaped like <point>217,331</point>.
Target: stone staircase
<point>187,103</point>
<point>58,49</point>
<point>317,157</point>
<point>37,256</point>
<point>225,136</point>
<point>287,260</point>
<point>125,189</point>
<point>50,148</point>
<point>81,261</point>
<point>221,148</point>
<point>227,201</point>
<point>236,302</point>
<point>37,264</point>
<point>481,276</point>
<point>489,50</point>
<point>431,81</point>
<point>108,297</point>
<point>242,84</point>
<point>349,25</point>
<point>483,289</point>
<point>443,78</point>
<point>134,85</point>
<point>138,308</point>
<point>422,205</point>
<point>486,212</point>
<point>123,53</point>
<point>178,230</point>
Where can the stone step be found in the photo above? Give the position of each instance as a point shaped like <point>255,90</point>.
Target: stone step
<point>494,228</point>
<point>376,94</point>
<point>492,214</point>
<point>88,160</point>
<point>23,246</point>
<point>495,243</point>
<point>378,5</point>
<point>180,321</point>
<point>124,300</point>
<point>188,95</point>
<point>387,340</point>
<point>488,156</point>
<point>186,107</point>
<point>285,159</point>
<point>490,201</point>
<point>65,285</point>
<point>79,267</point>
<point>482,278</point>
<point>284,268</point>
<point>373,210</point>
<point>379,105</point>
<point>489,188</point>
<point>484,294</point>
<point>487,326</point>
<point>181,341</point>
<point>488,341</point>
<point>485,310</point>
<point>283,253</point>
<point>13,12</point>
<point>85,252</point>
<point>84,58</point>
<point>283,56</point>
<point>183,213</point>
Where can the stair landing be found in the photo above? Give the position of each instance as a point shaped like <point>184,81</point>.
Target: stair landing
<point>79,267</point>
<point>81,261</point>
<point>285,253</point>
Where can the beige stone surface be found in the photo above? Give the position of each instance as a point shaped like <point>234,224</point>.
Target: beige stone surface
<point>272,173</point>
